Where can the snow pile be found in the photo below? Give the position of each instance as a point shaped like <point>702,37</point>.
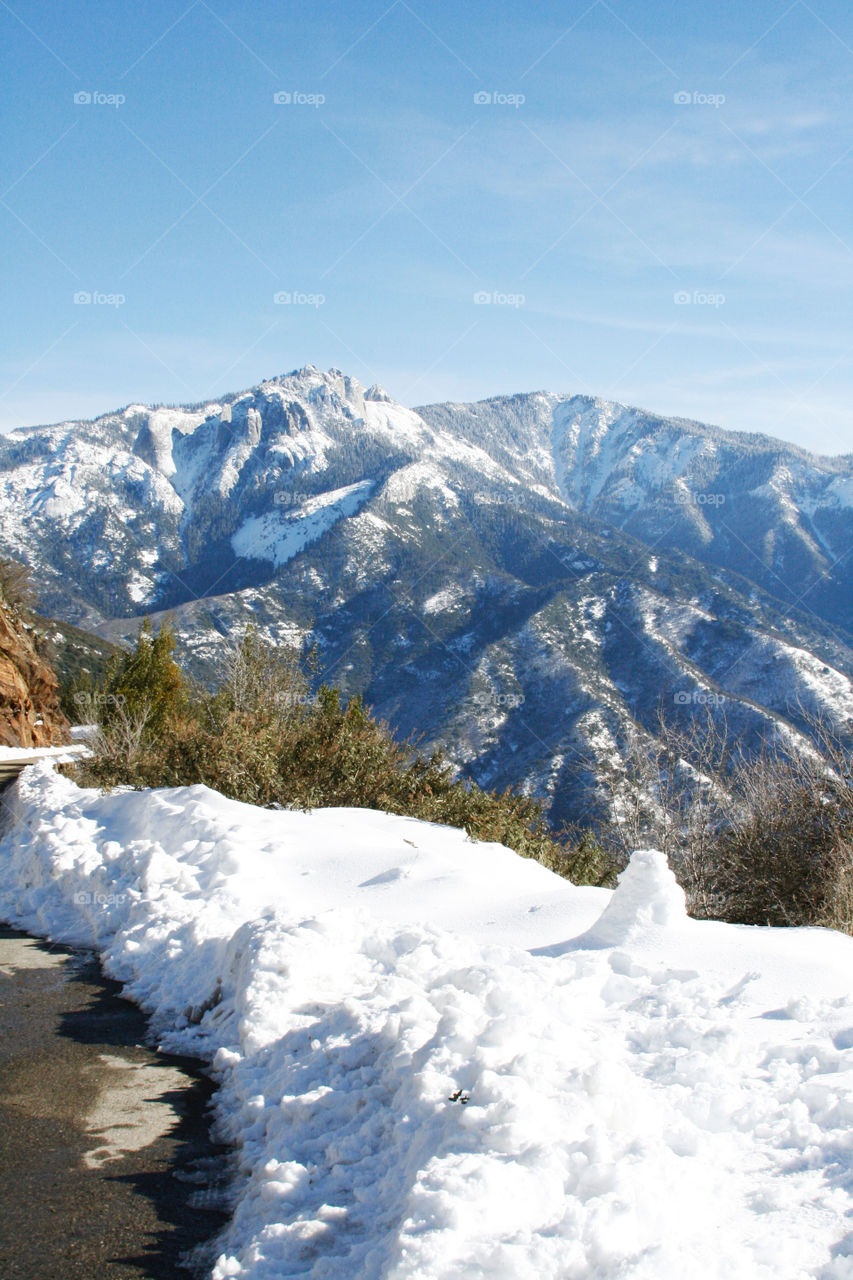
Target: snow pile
<point>649,900</point>
<point>511,1090</point>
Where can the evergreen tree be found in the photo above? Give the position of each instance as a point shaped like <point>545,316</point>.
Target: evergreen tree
<point>147,684</point>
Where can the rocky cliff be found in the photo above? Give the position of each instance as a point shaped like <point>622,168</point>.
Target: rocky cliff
<point>30,714</point>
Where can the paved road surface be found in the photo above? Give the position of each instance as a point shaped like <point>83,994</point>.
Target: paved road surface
<point>107,1171</point>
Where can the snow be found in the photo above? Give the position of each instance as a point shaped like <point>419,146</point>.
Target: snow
<point>591,609</point>
<point>437,1060</point>
<point>649,900</point>
<point>442,601</point>
<point>585,445</point>
<point>399,425</point>
<point>58,500</point>
<point>840,491</point>
<point>279,536</point>
<point>162,423</point>
<point>407,482</point>
<point>139,587</point>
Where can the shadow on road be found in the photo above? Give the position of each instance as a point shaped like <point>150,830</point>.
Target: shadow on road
<point>107,1166</point>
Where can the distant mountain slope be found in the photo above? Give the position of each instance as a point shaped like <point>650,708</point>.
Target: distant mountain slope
<point>766,509</point>
<point>79,659</point>
<point>525,580</point>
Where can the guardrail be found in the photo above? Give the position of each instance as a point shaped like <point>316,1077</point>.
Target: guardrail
<point>19,758</point>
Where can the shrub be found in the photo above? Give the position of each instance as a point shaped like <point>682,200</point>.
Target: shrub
<point>765,839</point>
<point>146,685</point>
<point>786,868</point>
<point>786,856</point>
<point>263,738</point>
<point>142,702</point>
<point>15,588</point>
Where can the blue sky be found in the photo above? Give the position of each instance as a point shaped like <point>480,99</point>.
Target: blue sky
<point>652,204</point>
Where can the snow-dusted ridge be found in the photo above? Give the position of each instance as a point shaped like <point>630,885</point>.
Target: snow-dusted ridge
<point>498,577</point>
<point>436,1059</point>
<point>771,510</point>
<point>280,535</point>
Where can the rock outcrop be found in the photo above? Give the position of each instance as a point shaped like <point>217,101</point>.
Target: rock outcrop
<point>30,713</point>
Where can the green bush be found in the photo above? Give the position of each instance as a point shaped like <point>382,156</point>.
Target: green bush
<point>147,684</point>
<point>263,738</point>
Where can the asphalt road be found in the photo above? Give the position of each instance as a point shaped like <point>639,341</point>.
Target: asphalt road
<point>107,1169</point>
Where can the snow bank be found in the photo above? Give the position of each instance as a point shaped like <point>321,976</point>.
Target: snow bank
<point>435,1064</point>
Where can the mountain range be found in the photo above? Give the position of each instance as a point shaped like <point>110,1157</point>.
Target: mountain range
<point>527,581</point>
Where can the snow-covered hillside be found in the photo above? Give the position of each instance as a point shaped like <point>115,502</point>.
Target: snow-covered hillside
<point>436,1059</point>
<point>763,508</point>
<point>525,582</point>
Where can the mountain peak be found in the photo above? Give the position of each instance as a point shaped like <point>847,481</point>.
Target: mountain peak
<point>585,559</point>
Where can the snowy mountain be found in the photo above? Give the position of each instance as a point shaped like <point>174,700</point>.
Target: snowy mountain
<point>763,508</point>
<point>525,580</point>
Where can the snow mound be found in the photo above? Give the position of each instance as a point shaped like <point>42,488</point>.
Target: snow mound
<point>648,899</point>
<point>413,1092</point>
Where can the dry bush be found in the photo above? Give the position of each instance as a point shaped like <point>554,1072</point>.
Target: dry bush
<point>119,744</point>
<point>265,682</point>
<point>764,839</point>
<point>15,587</point>
<point>786,856</point>
<point>263,738</point>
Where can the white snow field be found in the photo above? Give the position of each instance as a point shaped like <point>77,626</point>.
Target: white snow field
<point>437,1060</point>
